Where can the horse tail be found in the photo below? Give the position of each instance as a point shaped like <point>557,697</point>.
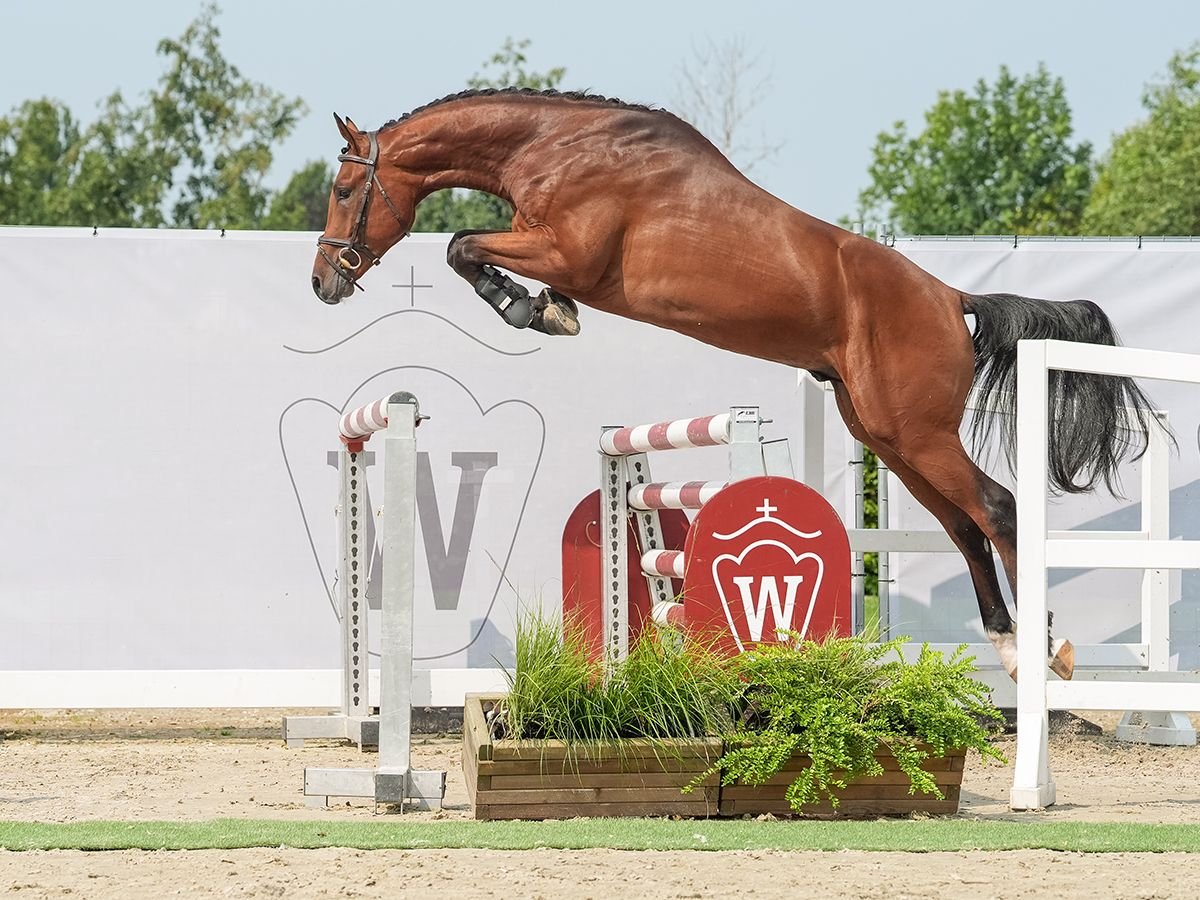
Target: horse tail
<point>1095,421</point>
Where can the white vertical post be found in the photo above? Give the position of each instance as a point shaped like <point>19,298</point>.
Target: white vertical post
<point>614,561</point>
<point>884,558</point>
<point>396,620</point>
<point>854,502</point>
<point>1156,523</point>
<point>812,404</point>
<point>1153,727</point>
<point>745,448</point>
<point>353,560</point>
<point>1033,785</point>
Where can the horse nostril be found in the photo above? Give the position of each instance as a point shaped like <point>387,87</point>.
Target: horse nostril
<point>316,283</point>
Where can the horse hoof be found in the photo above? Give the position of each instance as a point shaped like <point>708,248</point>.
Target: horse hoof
<point>556,316</point>
<point>1062,663</point>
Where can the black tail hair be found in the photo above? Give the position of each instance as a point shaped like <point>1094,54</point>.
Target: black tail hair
<point>1096,421</point>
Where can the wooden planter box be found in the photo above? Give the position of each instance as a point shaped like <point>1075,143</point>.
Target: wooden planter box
<point>510,779</point>
<point>882,795</point>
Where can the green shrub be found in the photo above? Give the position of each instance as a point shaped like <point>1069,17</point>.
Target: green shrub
<point>839,700</point>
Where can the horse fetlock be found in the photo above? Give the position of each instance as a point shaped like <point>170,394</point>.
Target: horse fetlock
<point>1005,643</point>
<point>509,299</point>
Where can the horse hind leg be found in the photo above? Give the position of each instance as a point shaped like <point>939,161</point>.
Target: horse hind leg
<point>977,513</point>
<point>952,473</point>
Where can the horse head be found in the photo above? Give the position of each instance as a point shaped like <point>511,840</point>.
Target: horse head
<point>358,230</point>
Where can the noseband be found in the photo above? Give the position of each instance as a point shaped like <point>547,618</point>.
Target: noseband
<point>353,249</point>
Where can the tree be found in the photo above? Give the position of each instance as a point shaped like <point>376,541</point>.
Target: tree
<point>304,202</point>
<point>510,61</point>
<point>997,161</point>
<point>221,125</point>
<point>455,210</point>
<point>1147,181</point>
<point>192,154</point>
<point>34,143</point>
<point>717,93</point>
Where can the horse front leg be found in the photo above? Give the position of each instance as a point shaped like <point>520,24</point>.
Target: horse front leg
<point>476,256</point>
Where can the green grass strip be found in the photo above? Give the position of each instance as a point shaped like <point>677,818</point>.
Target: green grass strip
<point>619,834</point>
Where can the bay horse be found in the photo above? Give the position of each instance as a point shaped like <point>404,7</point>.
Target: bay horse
<point>632,211</point>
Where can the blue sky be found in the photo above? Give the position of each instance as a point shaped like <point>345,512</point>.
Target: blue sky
<point>840,72</point>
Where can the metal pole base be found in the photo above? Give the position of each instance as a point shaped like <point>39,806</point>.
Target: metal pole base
<point>363,731</point>
<point>1162,729</point>
<point>417,789</point>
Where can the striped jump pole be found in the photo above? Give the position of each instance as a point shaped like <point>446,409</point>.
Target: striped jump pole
<point>673,494</point>
<point>665,563</point>
<point>356,427</point>
<point>680,434</point>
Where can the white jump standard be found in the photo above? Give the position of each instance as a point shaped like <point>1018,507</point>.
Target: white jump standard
<point>1039,549</point>
<point>393,780</point>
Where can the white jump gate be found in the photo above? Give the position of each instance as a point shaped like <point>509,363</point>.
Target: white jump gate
<point>393,780</point>
<point>1039,550</point>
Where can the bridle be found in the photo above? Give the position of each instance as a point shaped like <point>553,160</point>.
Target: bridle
<point>353,249</point>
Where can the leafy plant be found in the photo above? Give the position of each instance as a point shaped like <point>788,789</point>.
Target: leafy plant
<point>840,700</point>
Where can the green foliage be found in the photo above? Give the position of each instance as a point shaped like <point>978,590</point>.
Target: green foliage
<point>837,701</point>
<point>221,125</point>
<point>1147,183</point>
<point>193,154</point>
<point>508,69</point>
<point>661,690</point>
<point>456,210</point>
<point>304,202</point>
<point>34,142</point>
<point>997,161</point>
<point>53,172</point>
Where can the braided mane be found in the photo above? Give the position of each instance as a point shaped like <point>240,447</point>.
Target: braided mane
<point>570,96</point>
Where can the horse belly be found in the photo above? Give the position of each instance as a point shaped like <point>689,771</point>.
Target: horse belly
<point>738,321</point>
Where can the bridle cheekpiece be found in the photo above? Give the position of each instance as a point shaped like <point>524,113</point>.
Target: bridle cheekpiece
<point>354,248</point>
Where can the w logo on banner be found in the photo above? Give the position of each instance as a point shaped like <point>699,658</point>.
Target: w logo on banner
<point>768,558</point>
<point>768,596</point>
<point>759,568</point>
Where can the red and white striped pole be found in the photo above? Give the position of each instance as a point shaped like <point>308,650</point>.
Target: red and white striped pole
<point>706,431</point>
<point>357,426</point>
<point>673,494</point>
<point>668,563</point>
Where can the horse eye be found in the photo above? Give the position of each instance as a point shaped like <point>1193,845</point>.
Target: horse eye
<point>343,193</point>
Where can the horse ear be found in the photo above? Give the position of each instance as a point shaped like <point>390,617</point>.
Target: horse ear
<point>346,133</point>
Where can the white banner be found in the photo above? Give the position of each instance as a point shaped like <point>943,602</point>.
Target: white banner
<point>171,401</point>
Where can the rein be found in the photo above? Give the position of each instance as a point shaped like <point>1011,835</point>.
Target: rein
<point>354,248</point>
